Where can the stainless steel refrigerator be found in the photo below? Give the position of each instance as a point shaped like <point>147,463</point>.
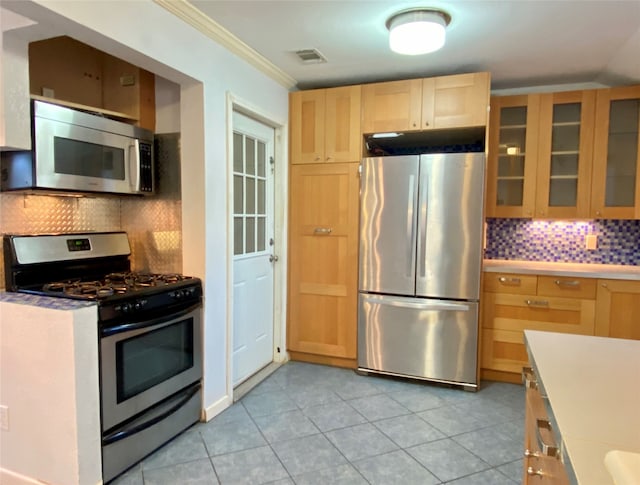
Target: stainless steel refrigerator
<point>421,231</point>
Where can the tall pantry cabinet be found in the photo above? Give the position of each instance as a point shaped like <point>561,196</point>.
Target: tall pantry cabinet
<point>323,225</point>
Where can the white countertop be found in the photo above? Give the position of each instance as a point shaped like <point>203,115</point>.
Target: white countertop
<point>608,271</point>
<point>593,387</point>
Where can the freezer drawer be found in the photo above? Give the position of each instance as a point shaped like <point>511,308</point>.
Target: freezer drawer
<point>418,337</point>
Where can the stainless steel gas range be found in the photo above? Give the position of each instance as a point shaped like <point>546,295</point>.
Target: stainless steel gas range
<point>150,344</point>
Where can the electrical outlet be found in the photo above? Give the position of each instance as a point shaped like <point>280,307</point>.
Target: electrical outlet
<point>4,418</point>
<point>591,241</point>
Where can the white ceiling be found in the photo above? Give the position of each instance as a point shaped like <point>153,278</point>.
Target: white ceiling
<point>522,43</point>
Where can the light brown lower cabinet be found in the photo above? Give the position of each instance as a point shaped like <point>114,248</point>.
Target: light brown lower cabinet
<point>617,309</point>
<point>539,468</point>
<point>323,263</point>
<point>512,303</point>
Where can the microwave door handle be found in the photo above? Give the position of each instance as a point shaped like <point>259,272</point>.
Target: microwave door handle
<point>134,166</point>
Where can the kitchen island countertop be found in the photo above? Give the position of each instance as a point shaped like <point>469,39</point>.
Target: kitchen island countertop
<point>608,271</point>
<point>592,386</point>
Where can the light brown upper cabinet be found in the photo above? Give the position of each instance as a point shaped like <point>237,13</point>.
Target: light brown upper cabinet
<point>616,166</point>
<point>325,125</point>
<point>72,73</point>
<point>540,155</point>
<point>454,101</point>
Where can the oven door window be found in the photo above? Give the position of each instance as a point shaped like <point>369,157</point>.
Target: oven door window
<point>152,357</point>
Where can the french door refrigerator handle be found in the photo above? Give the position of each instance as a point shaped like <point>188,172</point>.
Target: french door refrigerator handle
<point>422,219</point>
<point>411,226</point>
<point>407,303</point>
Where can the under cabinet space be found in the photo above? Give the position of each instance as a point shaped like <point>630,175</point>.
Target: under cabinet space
<point>62,69</point>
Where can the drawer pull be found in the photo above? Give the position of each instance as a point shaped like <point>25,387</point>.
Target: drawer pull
<point>532,472</point>
<point>537,303</point>
<point>509,281</point>
<point>322,230</point>
<point>531,454</point>
<point>529,378</point>
<point>543,426</point>
<point>572,283</point>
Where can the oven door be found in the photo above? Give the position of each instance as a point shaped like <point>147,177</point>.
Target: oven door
<point>144,362</point>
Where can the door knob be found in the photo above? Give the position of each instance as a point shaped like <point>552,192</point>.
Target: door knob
<point>273,258</point>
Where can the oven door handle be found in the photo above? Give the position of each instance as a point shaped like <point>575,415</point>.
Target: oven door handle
<point>122,434</point>
<point>127,327</point>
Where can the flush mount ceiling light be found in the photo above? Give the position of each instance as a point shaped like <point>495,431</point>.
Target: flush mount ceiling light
<point>417,30</point>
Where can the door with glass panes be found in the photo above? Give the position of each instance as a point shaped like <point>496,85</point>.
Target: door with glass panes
<point>253,258</point>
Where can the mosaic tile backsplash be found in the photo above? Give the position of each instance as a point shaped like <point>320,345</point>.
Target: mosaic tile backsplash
<point>564,241</point>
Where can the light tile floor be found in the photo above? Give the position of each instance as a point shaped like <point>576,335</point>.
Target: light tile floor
<point>309,424</point>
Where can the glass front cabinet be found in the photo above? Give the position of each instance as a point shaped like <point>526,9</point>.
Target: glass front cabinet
<point>511,170</point>
<point>565,155</point>
<point>616,165</point>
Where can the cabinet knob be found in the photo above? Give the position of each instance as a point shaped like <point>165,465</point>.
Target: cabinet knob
<point>328,158</point>
<point>531,454</point>
<point>426,123</point>
<point>317,159</point>
<point>414,124</point>
<point>604,285</point>
<point>597,213</point>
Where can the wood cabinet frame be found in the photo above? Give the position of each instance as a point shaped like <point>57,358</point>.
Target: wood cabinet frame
<point>600,153</point>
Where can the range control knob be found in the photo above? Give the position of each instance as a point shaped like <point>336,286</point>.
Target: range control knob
<point>126,307</point>
<point>137,305</point>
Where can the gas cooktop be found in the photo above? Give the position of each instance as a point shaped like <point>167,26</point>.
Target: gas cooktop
<point>127,283</point>
<point>91,266</point>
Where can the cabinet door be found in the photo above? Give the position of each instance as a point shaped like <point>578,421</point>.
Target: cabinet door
<point>455,101</point>
<point>323,259</point>
<point>391,106</point>
<point>617,309</point>
<point>306,115</point>
<point>616,170</point>
<point>513,156</point>
<point>342,124</point>
<point>563,182</point>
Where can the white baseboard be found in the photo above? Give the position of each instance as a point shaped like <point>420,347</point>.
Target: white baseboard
<point>216,408</point>
<point>244,387</point>
<point>7,477</point>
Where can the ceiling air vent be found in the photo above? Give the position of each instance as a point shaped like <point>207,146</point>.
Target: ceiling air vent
<point>310,56</point>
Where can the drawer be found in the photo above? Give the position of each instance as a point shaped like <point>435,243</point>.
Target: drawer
<point>503,350</point>
<point>510,283</point>
<point>520,312</point>
<point>568,287</point>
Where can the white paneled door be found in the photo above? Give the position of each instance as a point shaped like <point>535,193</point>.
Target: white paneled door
<point>253,256</point>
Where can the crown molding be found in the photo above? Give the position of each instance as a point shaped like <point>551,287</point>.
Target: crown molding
<point>187,12</point>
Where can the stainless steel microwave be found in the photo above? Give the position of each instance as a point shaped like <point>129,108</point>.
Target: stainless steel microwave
<point>76,151</point>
